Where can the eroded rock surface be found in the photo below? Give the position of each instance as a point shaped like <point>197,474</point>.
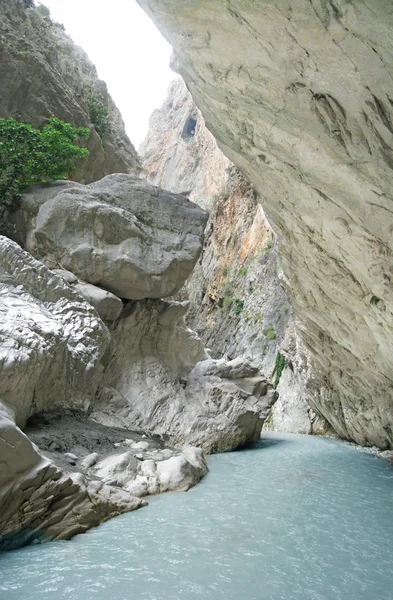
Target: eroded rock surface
<point>119,233</point>
<point>298,95</point>
<point>158,382</point>
<point>51,343</point>
<point>48,75</point>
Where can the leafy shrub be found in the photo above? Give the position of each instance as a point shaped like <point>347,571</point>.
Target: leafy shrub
<point>279,366</point>
<point>98,114</point>
<point>28,156</point>
<point>375,300</point>
<point>243,271</point>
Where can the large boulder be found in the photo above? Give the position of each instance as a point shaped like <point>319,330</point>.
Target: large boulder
<point>160,380</point>
<point>120,233</point>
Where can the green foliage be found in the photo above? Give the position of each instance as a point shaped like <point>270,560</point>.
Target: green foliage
<point>236,305</point>
<point>270,333</point>
<point>29,156</point>
<point>375,300</point>
<point>225,271</point>
<point>197,160</point>
<point>98,114</point>
<point>243,271</point>
<point>279,366</point>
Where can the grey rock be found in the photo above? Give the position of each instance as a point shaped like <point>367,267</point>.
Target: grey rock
<point>51,343</point>
<point>119,233</point>
<point>89,460</point>
<point>66,275</point>
<point>222,406</point>
<point>106,304</point>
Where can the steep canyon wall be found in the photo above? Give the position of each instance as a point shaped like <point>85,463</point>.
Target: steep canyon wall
<point>298,95</point>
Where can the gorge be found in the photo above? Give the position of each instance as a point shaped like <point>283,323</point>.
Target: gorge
<point>231,277</point>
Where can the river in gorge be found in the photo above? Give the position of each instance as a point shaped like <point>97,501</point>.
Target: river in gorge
<point>294,518</point>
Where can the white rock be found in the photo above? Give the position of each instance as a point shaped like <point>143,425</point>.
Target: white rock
<point>141,446</point>
<point>182,472</point>
<point>106,304</point>
<point>90,460</point>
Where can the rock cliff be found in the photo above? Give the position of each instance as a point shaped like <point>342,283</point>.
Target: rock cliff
<point>43,74</point>
<point>298,95</point>
<point>238,305</point>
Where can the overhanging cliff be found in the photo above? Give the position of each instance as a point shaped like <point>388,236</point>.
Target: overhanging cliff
<point>299,96</point>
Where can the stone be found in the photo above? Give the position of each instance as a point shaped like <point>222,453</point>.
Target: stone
<point>51,340</point>
<point>119,233</point>
<point>141,446</point>
<point>298,97</point>
<point>51,343</point>
<point>66,275</point>
<point>89,461</point>
<point>117,469</point>
<point>106,304</point>
<point>180,473</point>
<point>39,502</point>
<point>222,405</point>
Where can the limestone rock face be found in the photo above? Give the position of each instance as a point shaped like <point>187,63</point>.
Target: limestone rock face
<point>120,233</point>
<point>158,382</point>
<point>48,75</point>
<point>238,305</point>
<point>51,342</point>
<point>298,95</point>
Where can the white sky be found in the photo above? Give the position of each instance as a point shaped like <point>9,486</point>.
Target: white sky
<point>129,52</point>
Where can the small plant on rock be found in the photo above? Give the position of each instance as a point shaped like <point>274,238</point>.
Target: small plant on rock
<point>270,333</point>
<point>98,114</point>
<point>279,366</point>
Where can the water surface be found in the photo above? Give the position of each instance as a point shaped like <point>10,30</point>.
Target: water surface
<point>295,518</point>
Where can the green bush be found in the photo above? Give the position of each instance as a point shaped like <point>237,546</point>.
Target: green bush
<point>243,271</point>
<point>28,156</point>
<point>98,114</point>
<point>279,366</point>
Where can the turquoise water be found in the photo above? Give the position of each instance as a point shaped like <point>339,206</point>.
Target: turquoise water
<point>296,518</point>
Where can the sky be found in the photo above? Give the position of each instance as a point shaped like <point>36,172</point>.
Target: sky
<point>129,52</point>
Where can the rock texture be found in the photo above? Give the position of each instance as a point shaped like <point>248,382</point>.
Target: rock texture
<point>238,305</point>
<point>51,342</point>
<point>298,94</point>
<point>157,381</point>
<point>43,74</point>
<point>120,233</point>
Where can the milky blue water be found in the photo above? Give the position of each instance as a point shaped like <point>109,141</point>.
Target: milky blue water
<point>296,518</point>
